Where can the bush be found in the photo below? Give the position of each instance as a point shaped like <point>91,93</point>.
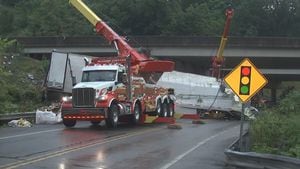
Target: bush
<point>276,131</point>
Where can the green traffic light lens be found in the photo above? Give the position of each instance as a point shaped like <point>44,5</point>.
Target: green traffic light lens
<point>244,89</point>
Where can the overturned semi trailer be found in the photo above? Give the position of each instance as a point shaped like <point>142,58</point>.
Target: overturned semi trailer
<point>64,72</point>
<point>207,96</point>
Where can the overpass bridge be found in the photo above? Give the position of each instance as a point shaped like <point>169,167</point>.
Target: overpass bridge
<point>277,58</point>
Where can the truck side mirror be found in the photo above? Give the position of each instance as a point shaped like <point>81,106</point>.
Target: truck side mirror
<point>86,61</point>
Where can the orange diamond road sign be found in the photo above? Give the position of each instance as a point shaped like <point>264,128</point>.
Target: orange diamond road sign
<point>245,80</point>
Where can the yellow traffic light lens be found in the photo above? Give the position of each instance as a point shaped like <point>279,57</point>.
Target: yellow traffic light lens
<point>245,80</point>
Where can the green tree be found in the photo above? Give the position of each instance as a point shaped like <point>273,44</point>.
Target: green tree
<point>266,18</point>
<point>151,17</point>
<point>197,19</point>
<point>134,17</point>
<point>6,16</point>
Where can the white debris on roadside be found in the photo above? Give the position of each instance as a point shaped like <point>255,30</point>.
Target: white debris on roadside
<point>47,117</point>
<point>19,123</point>
<point>251,113</point>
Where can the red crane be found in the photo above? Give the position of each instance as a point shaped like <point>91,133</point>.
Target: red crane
<point>141,61</point>
<point>218,60</point>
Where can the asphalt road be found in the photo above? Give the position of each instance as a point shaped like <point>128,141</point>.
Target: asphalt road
<point>96,147</point>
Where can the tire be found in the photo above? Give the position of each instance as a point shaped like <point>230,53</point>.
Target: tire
<point>137,113</point>
<point>95,123</point>
<point>69,123</point>
<point>201,113</point>
<point>113,116</point>
<point>158,110</point>
<point>165,109</point>
<point>171,110</point>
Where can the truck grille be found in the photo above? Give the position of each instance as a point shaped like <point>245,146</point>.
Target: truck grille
<point>83,97</point>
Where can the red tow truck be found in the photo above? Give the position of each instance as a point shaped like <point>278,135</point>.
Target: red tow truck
<point>118,88</point>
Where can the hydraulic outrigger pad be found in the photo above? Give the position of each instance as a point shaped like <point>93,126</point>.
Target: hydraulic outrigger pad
<point>156,66</point>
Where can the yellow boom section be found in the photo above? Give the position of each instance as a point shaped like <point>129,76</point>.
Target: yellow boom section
<point>221,48</point>
<point>85,11</point>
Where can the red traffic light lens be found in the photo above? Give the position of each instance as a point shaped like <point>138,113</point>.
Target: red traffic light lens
<point>245,71</point>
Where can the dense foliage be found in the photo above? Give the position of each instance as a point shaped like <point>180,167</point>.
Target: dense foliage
<point>21,79</point>
<point>151,17</point>
<point>276,131</point>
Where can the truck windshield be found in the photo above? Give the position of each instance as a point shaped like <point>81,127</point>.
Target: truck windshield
<point>99,75</point>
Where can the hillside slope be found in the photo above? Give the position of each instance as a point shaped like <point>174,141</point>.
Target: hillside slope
<point>21,79</point>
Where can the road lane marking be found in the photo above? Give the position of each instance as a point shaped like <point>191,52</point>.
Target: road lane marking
<point>69,150</point>
<point>29,134</point>
<point>178,158</point>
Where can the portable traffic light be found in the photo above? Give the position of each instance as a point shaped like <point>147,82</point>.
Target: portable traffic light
<point>245,80</point>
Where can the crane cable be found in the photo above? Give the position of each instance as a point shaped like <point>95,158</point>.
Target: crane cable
<point>222,86</point>
<point>216,96</point>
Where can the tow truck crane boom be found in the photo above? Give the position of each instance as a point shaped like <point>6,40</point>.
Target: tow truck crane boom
<point>140,60</point>
<point>219,59</point>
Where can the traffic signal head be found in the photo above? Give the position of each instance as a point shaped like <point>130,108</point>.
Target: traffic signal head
<point>245,80</point>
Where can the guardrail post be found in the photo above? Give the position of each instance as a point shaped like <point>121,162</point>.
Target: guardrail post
<point>242,128</point>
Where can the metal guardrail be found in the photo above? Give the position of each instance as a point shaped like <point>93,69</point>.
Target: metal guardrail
<point>7,117</point>
<point>252,160</point>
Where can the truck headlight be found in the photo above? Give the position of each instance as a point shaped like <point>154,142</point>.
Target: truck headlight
<point>66,98</point>
<point>101,97</point>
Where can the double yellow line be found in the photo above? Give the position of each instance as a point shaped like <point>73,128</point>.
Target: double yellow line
<point>72,149</point>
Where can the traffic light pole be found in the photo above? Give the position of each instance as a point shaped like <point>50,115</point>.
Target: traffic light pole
<point>242,127</point>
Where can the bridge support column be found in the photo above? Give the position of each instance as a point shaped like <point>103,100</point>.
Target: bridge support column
<point>273,95</point>
<point>274,88</point>
<point>184,66</point>
<point>179,65</point>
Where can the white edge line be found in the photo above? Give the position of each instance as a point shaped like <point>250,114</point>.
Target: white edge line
<point>29,134</point>
<point>168,165</point>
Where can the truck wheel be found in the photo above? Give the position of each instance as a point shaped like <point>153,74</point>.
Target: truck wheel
<point>165,109</point>
<point>158,110</point>
<point>136,114</point>
<point>69,123</point>
<point>201,113</point>
<point>171,111</point>
<point>113,116</point>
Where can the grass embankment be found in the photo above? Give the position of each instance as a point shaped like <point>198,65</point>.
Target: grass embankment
<point>277,130</point>
<point>21,80</point>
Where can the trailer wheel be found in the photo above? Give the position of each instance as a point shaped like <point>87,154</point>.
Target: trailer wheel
<point>113,116</point>
<point>171,110</point>
<point>136,114</point>
<point>201,113</point>
<point>165,109</point>
<point>69,123</point>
